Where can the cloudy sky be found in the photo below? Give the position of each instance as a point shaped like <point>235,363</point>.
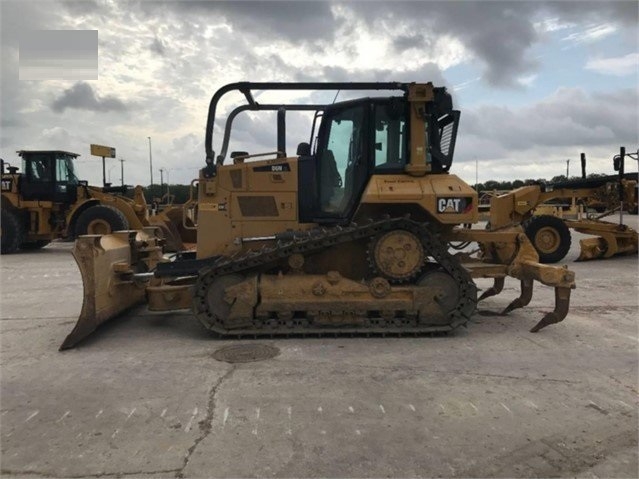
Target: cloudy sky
<point>537,82</point>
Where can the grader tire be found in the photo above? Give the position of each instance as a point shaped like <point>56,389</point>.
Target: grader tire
<point>100,220</point>
<point>12,232</point>
<point>550,236</point>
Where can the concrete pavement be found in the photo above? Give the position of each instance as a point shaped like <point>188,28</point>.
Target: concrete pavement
<point>144,396</point>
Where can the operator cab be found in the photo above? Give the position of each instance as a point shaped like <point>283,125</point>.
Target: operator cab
<point>49,176</point>
<point>356,140</point>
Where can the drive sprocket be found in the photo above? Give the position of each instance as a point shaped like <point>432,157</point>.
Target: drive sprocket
<point>396,255</point>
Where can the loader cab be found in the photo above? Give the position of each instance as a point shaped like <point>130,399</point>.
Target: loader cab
<point>48,176</point>
<point>355,140</point>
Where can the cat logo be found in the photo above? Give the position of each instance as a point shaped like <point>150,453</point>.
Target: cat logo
<point>454,205</point>
<point>6,185</point>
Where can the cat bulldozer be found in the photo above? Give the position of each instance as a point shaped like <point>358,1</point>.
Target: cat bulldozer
<point>354,234</point>
<point>47,201</point>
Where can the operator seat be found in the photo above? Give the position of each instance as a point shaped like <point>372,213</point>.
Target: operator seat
<point>329,177</point>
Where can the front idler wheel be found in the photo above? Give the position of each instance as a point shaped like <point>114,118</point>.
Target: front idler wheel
<point>209,302</point>
<point>444,290</point>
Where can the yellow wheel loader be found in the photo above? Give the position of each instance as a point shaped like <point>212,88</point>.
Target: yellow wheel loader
<point>47,201</point>
<point>351,235</point>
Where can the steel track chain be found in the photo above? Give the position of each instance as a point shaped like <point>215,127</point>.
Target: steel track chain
<point>317,240</point>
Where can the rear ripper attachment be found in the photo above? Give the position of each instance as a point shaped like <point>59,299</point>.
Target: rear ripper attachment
<point>509,252</point>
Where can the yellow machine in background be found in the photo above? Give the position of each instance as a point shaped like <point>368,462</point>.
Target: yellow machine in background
<point>47,201</point>
<point>548,226</point>
<point>352,234</point>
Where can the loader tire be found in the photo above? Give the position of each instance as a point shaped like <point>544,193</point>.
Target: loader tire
<point>100,220</point>
<point>550,236</point>
<point>12,232</point>
<point>33,245</point>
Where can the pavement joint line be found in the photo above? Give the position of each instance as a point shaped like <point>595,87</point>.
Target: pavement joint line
<point>289,411</point>
<point>30,416</point>
<point>63,416</point>
<point>190,423</point>
<point>206,425</point>
<point>257,421</point>
<point>225,417</point>
<point>507,408</point>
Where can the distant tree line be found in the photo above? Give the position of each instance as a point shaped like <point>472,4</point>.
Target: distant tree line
<point>179,194</point>
<point>492,185</point>
<point>164,194</point>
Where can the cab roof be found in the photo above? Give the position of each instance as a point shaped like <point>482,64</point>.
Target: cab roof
<point>22,152</point>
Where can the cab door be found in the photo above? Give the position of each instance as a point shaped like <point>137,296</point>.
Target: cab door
<point>342,160</point>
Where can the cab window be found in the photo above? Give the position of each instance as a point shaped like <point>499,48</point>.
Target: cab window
<point>65,172</point>
<point>391,142</point>
<point>39,168</point>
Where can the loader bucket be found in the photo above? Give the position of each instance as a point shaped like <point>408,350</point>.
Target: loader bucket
<point>107,265</point>
<point>176,236</point>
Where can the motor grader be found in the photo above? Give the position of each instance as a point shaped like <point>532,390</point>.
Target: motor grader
<point>351,235</point>
<point>549,232</point>
<point>47,201</point>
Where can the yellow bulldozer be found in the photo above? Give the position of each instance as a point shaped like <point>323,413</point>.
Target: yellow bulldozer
<point>47,201</point>
<point>350,235</point>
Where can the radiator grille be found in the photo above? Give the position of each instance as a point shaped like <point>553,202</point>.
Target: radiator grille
<point>257,205</point>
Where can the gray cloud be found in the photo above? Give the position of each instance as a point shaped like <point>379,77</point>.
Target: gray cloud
<point>82,97</point>
<point>158,46</point>
<point>623,12</point>
<point>568,118</point>
<point>300,21</point>
<point>406,42</point>
<point>500,33</point>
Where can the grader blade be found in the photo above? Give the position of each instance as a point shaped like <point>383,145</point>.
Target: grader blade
<point>612,239</point>
<point>107,265</point>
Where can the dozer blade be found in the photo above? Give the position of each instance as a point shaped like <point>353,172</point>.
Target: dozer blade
<point>107,265</point>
